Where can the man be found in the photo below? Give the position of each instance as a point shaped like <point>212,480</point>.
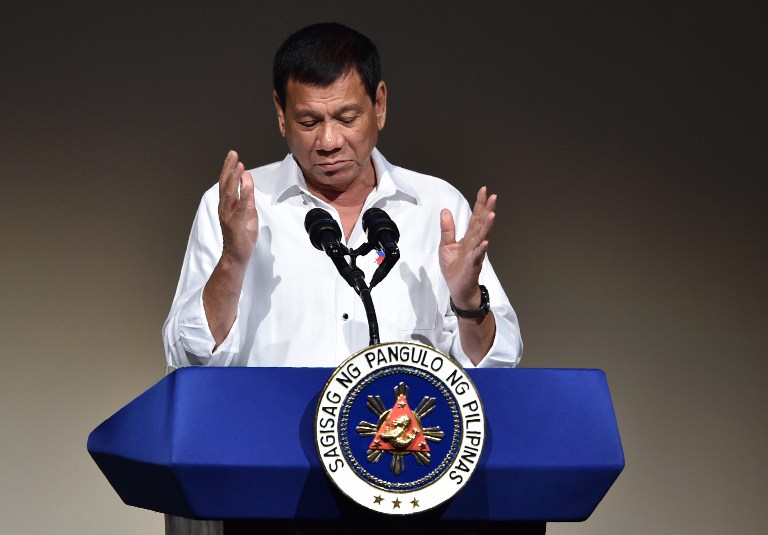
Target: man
<point>253,291</point>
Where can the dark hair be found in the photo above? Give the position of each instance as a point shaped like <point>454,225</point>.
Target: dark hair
<point>322,53</point>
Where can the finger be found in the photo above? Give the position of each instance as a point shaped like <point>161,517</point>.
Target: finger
<point>226,172</point>
<point>246,191</point>
<point>447,227</point>
<point>475,241</point>
<point>483,217</point>
<point>491,204</point>
<point>479,211</point>
<point>234,205</point>
<point>481,203</point>
<point>477,255</point>
<point>482,196</point>
<point>484,202</point>
<point>229,199</point>
<point>248,201</point>
<point>233,188</point>
<point>232,176</point>
<point>485,223</point>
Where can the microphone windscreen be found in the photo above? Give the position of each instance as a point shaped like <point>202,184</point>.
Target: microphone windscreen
<point>318,221</point>
<point>376,221</point>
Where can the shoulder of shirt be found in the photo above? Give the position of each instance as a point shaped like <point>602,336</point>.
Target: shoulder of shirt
<point>428,188</point>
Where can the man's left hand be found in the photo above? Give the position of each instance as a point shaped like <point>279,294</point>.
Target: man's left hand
<point>461,261</point>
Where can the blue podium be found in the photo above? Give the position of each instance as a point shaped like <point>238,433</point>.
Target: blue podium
<point>238,443</point>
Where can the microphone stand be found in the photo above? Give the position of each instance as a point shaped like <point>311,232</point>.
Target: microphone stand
<point>362,289</point>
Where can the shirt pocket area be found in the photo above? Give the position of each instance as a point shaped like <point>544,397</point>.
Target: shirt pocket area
<point>409,296</point>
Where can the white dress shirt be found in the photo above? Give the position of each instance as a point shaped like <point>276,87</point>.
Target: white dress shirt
<point>296,310</point>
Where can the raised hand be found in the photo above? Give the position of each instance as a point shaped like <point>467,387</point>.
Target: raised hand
<point>240,229</point>
<point>237,210</point>
<point>461,261</point>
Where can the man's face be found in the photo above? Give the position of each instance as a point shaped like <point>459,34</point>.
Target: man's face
<point>332,130</point>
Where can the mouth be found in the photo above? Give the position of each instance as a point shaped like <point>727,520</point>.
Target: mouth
<point>333,166</point>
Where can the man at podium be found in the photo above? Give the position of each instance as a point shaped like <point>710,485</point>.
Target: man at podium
<point>254,291</point>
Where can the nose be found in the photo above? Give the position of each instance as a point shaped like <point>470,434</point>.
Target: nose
<point>328,138</point>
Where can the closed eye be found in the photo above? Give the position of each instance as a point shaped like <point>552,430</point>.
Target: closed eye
<point>348,120</point>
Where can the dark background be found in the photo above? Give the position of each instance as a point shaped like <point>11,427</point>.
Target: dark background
<point>626,142</point>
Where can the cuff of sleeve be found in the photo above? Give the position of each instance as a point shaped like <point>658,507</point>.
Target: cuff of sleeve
<point>504,353</point>
<point>196,336</point>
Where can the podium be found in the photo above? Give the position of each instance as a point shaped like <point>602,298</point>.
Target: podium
<point>238,443</point>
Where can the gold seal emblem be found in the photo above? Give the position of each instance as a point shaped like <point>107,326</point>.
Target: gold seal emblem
<point>399,431</point>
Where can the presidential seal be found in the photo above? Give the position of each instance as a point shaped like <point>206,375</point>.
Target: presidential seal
<point>399,428</point>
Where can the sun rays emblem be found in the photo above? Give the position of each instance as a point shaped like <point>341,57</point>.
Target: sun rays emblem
<point>399,431</point>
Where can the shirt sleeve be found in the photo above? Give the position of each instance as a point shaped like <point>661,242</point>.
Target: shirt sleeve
<point>186,337</point>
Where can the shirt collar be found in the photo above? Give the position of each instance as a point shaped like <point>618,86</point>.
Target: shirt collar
<point>389,183</point>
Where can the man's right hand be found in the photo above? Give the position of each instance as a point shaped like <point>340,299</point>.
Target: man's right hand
<point>240,229</point>
<point>237,210</point>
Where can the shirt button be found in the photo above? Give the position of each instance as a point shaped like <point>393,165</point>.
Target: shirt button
<point>345,316</point>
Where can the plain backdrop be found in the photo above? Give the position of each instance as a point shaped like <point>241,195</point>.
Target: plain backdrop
<point>626,142</point>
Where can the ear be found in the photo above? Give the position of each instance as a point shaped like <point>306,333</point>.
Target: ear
<point>280,114</point>
<point>381,104</point>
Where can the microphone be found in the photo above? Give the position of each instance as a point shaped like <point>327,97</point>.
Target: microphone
<point>382,235</point>
<point>325,235</point>
<point>324,231</point>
